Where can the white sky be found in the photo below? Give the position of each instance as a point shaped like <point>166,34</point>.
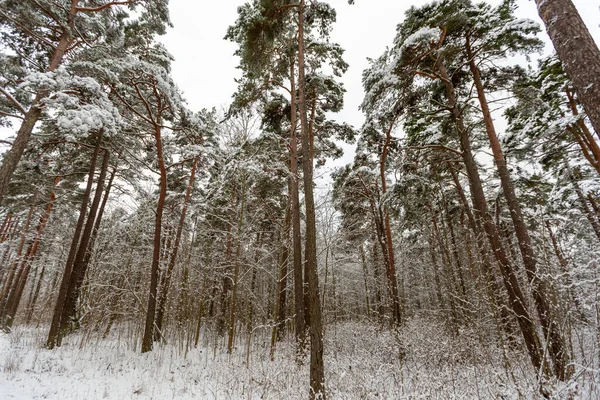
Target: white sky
<point>205,67</point>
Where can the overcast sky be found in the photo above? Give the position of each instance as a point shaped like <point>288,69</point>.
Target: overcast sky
<point>205,67</point>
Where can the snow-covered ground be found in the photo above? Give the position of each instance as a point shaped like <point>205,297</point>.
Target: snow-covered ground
<point>361,362</point>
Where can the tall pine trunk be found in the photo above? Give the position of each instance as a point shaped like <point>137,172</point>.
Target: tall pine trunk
<point>11,157</point>
<point>389,244</point>
<point>15,296</point>
<point>53,334</point>
<point>555,341</point>
<point>317,373</point>
<point>236,268</point>
<point>79,270</point>
<point>578,52</point>
<point>147,340</point>
<point>511,283</point>
<point>299,320</point>
<point>281,294</point>
<point>166,277</point>
<point>13,267</point>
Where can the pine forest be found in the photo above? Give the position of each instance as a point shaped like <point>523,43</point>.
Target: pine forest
<point>437,238</point>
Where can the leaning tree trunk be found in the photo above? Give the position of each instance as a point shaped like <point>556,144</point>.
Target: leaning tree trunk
<point>577,51</point>
<point>53,335</point>
<point>511,283</point>
<point>88,255</point>
<point>583,136</point>
<point>79,270</point>
<point>12,156</point>
<point>17,293</point>
<point>589,214</point>
<point>556,343</point>
<point>13,268</point>
<point>317,377</point>
<point>4,227</point>
<point>493,290</point>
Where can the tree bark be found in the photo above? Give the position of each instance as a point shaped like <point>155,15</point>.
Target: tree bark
<point>511,283</point>
<point>11,157</point>
<point>147,341</point>
<point>299,319</point>
<point>13,268</point>
<point>17,293</point>
<point>79,269</point>
<point>166,277</point>
<point>317,376</point>
<point>53,334</point>
<point>577,51</point>
<point>236,268</point>
<point>555,341</point>
<point>391,264</point>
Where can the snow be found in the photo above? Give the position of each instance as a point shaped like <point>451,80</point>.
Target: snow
<point>425,35</point>
<point>361,361</point>
<point>75,116</point>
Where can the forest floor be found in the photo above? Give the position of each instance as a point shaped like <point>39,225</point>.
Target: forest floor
<point>361,362</point>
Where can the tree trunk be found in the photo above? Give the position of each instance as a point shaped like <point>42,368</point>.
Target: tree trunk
<point>13,268</point>
<point>8,252</point>
<point>511,283</point>
<point>583,136</point>
<point>236,268</point>
<point>564,266</point>
<point>391,264</point>
<point>53,335</point>
<point>35,295</point>
<point>589,214</point>
<point>147,341</point>
<point>208,255</point>
<point>380,235</point>
<point>4,226</point>
<point>299,326</point>
<point>450,281</point>
<point>166,277</point>
<point>453,245</point>
<point>227,280</point>
<point>493,290</point>
<point>363,260</point>
<point>280,296</point>
<point>88,254</point>
<point>11,157</point>
<point>377,279</point>
<point>556,343</point>
<point>577,51</point>
<point>79,269</point>
<point>317,377</point>
<point>19,286</point>
<point>436,277</point>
